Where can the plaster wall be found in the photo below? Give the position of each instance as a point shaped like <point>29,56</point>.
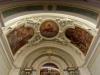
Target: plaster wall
<point>5,66</point>
<point>94,65</point>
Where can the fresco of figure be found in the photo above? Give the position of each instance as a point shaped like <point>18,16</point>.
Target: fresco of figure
<point>19,37</point>
<point>80,38</point>
<point>49,29</point>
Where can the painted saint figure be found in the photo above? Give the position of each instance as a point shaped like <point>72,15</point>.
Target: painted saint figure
<point>49,29</point>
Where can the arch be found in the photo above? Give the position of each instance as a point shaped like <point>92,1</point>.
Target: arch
<point>67,49</point>
<point>23,53</point>
<point>81,18</point>
<point>39,56</point>
<point>65,9</point>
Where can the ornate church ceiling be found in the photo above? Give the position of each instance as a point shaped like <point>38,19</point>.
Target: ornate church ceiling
<point>34,30</point>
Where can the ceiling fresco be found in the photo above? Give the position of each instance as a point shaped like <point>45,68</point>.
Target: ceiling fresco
<point>80,38</point>
<point>49,29</point>
<point>59,30</point>
<point>19,37</point>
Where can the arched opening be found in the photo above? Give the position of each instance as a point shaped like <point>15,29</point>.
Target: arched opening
<point>49,69</point>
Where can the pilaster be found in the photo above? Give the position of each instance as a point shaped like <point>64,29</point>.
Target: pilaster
<point>4,42</point>
<point>93,45</point>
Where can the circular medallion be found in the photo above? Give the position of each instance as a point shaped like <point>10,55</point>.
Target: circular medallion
<point>49,28</point>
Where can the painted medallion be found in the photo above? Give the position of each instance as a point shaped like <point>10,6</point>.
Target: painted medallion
<point>49,29</point>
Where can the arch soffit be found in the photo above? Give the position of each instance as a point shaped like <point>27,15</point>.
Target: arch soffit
<point>78,58</point>
<point>42,52</point>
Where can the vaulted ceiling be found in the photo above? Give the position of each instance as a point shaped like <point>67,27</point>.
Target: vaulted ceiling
<point>78,36</point>
<point>65,25</point>
<point>49,28</point>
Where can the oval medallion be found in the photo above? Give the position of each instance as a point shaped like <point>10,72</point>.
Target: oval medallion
<point>49,28</point>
